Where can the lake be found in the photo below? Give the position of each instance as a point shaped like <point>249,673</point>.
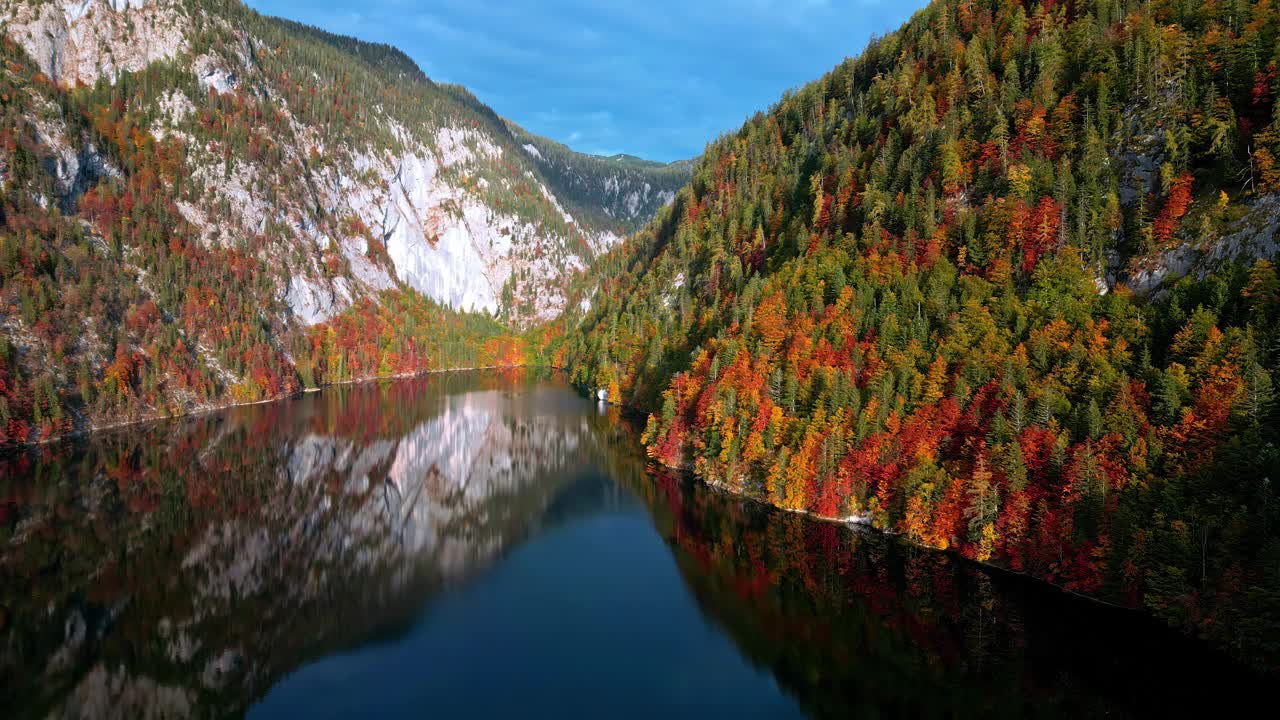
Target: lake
<point>492,544</point>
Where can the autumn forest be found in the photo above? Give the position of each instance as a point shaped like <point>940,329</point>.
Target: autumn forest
<point>949,290</point>
<point>1004,284</point>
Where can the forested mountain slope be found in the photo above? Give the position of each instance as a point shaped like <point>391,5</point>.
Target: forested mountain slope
<point>1002,284</point>
<point>200,205</point>
<point>620,191</point>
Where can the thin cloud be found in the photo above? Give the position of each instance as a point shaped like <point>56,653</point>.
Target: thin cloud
<point>657,79</point>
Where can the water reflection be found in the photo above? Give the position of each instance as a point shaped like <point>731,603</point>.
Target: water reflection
<point>183,570</point>
<point>186,569</point>
<point>856,624</point>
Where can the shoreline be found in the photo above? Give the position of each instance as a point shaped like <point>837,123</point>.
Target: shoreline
<point>86,433</point>
<point>857,523</point>
<point>853,523</point>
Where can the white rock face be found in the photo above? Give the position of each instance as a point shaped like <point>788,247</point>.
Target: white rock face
<point>625,200</point>
<point>434,251</point>
<point>82,40</point>
<point>314,303</point>
<point>1255,236</point>
<point>423,194</point>
<point>443,240</point>
<point>606,240</point>
<point>213,76</point>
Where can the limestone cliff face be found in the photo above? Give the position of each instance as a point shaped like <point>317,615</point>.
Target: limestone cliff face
<point>190,188</point>
<point>460,209</point>
<point>1253,236</point>
<point>80,41</point>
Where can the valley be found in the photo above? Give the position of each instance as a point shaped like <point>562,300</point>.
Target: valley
<point>1000,287</point>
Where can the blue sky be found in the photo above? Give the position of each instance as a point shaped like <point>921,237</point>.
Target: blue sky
<point>655,78</point>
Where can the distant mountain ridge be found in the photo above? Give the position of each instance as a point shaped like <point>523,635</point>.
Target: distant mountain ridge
<point>382,56</point>
<point>619,190</point>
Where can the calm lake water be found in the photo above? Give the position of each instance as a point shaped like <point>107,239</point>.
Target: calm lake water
<point>491,544</point>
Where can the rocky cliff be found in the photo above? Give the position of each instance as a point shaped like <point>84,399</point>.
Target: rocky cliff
<point>203,205</point>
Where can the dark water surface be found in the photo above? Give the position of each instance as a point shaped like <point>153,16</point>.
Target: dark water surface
<point>490,544</point>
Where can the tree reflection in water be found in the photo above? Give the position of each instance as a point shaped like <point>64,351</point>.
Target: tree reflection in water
<point>184,569</point>
<point>856,624</point>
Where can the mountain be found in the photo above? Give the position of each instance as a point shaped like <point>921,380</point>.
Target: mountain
<point>1003,284</point>
<point>203,205</point>
<point>619,190</point>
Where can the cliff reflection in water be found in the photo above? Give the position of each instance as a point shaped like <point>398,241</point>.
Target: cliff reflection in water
<point>182,570</point>
<point>186,569</point>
